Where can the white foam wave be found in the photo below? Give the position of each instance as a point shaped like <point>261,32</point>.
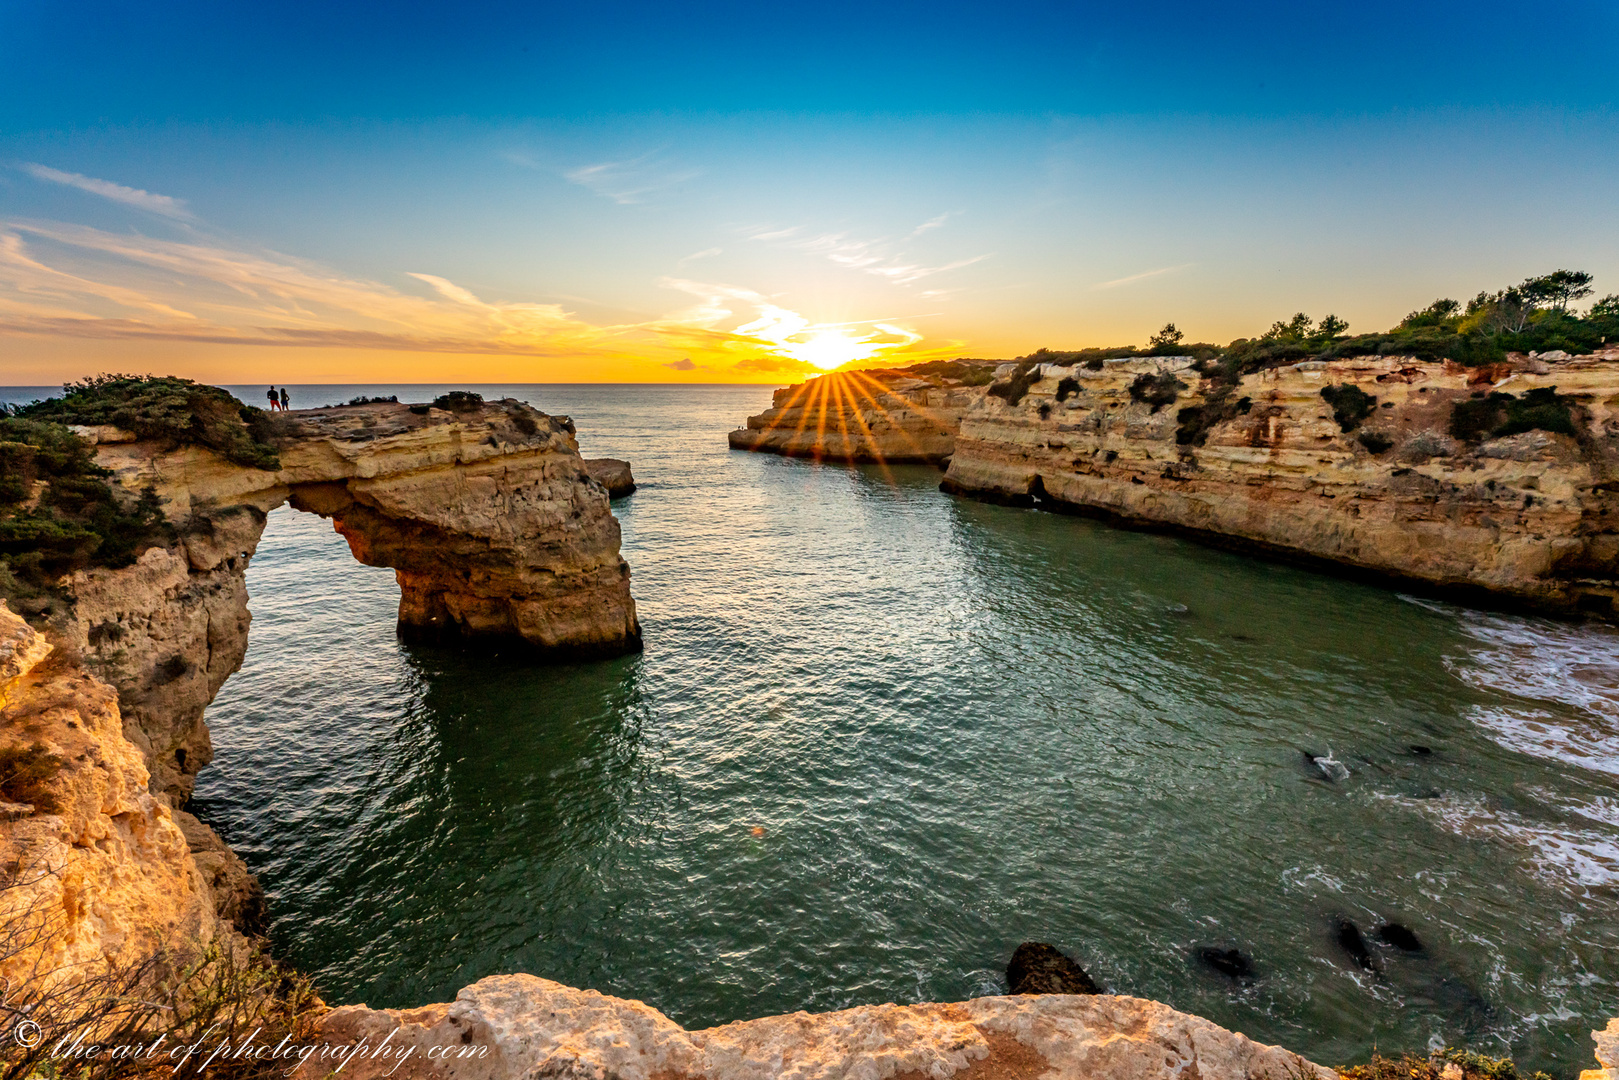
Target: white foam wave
<point>1584,856</point>
<point>1570,670</point>
<point>1586,743</point>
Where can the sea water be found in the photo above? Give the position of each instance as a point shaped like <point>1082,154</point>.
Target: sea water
<point>880,735</point>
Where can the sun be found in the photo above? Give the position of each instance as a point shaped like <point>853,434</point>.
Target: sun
<point>828,349</point>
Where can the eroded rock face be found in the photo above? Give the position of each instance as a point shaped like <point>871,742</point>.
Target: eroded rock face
<point>1268,464</point>
<point>512,1026</point>
<point>489,517</point>
<point>101,869</point>
<point>879,416</point>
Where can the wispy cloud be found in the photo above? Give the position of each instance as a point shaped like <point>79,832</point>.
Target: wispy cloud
<point>1133,278</point>
<point>882,257</point>
<point>706,253</point>
<point>125,286</point>
<point>930,224</point>
<point>152,203</point>
<point>633,181</point>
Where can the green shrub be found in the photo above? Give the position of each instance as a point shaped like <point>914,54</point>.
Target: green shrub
<point>1025,375</point>
<point>1350,404</point>
<point>1498,415</point>
<point>1156,390</point>
<point>1194,422</point>
<point>1432,1066</point>
<point>459,401</point>
<point>57,513</point>
<point>171,410</point>
<point>1374,441</point>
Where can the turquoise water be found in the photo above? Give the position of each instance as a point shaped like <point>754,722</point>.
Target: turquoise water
<point>879,736</point>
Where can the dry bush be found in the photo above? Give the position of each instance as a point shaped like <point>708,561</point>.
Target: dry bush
<point>1434,1066</point>
<point>218,992</point>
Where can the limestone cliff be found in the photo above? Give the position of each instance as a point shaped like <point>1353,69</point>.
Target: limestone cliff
<point>887,416</point>
<point>489,517</point>
<point>93,865</point>
<point>517,1026</point>
<point>1499,479</point>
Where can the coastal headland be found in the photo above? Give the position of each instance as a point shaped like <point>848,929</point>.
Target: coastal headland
<point>1485,481</point>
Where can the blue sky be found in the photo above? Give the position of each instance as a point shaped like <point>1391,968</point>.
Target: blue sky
<point>721,192</point>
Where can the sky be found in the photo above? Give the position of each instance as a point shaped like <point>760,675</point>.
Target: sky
<point>726,192</point>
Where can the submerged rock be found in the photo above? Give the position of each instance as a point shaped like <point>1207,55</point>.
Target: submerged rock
<point>1401,937</point>
<point>1038,968</point>
<point>1228,962</point>
<point>1351,941</point>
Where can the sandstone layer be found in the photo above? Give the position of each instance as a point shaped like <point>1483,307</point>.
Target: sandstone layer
<point>517,1026</point>
<point>1269,464</point>
<point>877,416</point>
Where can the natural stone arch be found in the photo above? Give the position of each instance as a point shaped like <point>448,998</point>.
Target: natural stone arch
<point>491,520</point>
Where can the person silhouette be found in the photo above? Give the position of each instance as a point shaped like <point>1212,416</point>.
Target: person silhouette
<point>275,402</point>
<point>284,405</point>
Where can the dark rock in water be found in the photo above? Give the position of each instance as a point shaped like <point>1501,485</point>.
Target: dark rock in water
<point>1350,941</point>
<point>1228,962</point>
<point>1038,968</point>
<point>612,474</point>
<point>1401,937</point>
<point>1419,751</point>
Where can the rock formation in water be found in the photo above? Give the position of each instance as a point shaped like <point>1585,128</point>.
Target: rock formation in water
<point>1501,478</point>
<point>1039,968</point>
<point>489,517</point>
<point>508,1027</point>
<point>880,416</point>
<point>491,520</point>
<point>612,474</point>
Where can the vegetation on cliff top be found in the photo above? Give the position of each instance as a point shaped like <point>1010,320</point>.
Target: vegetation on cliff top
<point>57,512</point>
<point>174,411</point>
<point>1536,315</point>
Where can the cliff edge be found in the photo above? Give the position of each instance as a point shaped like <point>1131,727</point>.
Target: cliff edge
<point>1499,479</point>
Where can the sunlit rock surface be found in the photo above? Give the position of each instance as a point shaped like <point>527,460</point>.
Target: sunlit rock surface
<point>512,1026</point>
<point>880,416</point>
<point>96,867</point>
<point>1533,516</point>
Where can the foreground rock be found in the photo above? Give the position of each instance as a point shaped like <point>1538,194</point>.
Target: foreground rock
<point>877,416</point>
<point>517,1026</point>
<point>94,866</point>
<point>1376,478</point>
<point>1607,1041</point>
